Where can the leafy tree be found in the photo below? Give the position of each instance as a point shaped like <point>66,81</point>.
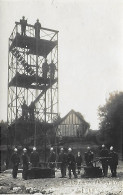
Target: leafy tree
<point>3,133</point>
<point>111,119</point>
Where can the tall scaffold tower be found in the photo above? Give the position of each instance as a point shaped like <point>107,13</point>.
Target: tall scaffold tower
<point>32,79</point>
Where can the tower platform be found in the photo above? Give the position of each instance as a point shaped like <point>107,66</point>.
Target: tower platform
<point>38,47</point>
<point>29,82</point>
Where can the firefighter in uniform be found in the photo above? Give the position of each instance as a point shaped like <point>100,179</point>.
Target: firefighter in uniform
<point>104,154</point>
<point>24,110</point>
<point>15,161</point>
<point>52,68</point>
<point>45,69</point>
<point>52,159</point>
<point>89,156</point>
<point>113,161</point>
<point>63,161</point>
<point>37,27</point>
<point>71,163</point>
<point>25,161</point>
<point>79,162</point>
<point>23,23</point>
<point>34,158</point>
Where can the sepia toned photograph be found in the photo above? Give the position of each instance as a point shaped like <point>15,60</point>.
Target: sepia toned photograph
<point>61,97</point>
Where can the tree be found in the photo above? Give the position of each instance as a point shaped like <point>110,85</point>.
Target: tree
<point>111,119</point>
<point>3,133</point>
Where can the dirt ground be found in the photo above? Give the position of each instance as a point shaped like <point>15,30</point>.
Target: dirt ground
<point>63,186</point>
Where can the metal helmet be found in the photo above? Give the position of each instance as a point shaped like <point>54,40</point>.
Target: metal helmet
<point>111,148</point>
<point>51,149</point>
<point>88,148</point>
<point>24,149</point>
<point>15,150</point>
<point>34,148</point>
<point>69,149</point>
<point>62,149</point>
<point>103,146</point>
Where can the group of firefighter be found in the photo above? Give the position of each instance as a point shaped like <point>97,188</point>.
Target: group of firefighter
<point>64,160</point>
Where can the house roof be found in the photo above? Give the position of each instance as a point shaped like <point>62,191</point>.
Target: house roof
<point>78,114</point>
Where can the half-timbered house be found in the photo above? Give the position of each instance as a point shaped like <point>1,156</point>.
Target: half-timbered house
<point>73,125</point>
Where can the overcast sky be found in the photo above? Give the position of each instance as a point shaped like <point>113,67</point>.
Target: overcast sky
<point>90,49</point>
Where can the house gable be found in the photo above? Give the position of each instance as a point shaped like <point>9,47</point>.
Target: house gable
<point>72,125</point>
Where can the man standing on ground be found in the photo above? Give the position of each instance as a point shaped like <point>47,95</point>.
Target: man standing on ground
<point>104,154</point>
<point>113,161</point>
<point>89,156</point>
<point>79,162</point>
<point>25,161</point>
<point>71,163</point>
<point>52,159</point>
<point>15,161</point>
<point>63,161</point>
<point>34,158</point>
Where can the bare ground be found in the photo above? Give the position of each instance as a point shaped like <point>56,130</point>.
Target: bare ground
<point>63,186</point>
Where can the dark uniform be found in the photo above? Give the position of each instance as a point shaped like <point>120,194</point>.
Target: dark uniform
<point>104,154</point>
<point>45,69</point>
<point>113,162</point>
<point>37,28</point>
<point>89,156</point>
<point>31,111</point>
<point>52,159</point>
<point>15,160</point>
<point>23,23</point>
<point>34,159</point>
<point>79,162</point>
<point>63,162</point>
<point>24,111</point>
<point>52,70</point>
<point>71,165</point>
<point>25,161</point>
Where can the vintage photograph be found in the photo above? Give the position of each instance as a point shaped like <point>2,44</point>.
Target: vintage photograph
<point>61,97</point>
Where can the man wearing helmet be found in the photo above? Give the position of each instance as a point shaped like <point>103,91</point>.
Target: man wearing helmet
<point>52,159</point>
<point>15,161</point>
<point>104,154</point>
<point>113,162</point>
<point>34,158</point>
<point>71,163</point>
<point>89,156</point>
<point>25,161</point>
<point>63,161</point>
<point>79,162</point>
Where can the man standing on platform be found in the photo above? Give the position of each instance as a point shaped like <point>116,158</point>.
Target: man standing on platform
<point>23,23</point>
<point>31,110</point>
<point>45,69</point>
<point>63,161</point>
<point>104,154</point>
<point>113,161</point>
<point>52,68</point>
<point>25,161</point>
<point>24,111</point>
<point>37,27</point>
<point>15,161</point>
<point>34,158</point>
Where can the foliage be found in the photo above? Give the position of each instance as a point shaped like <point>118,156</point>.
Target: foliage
<point>111,118</point>
<point>3,133</point>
